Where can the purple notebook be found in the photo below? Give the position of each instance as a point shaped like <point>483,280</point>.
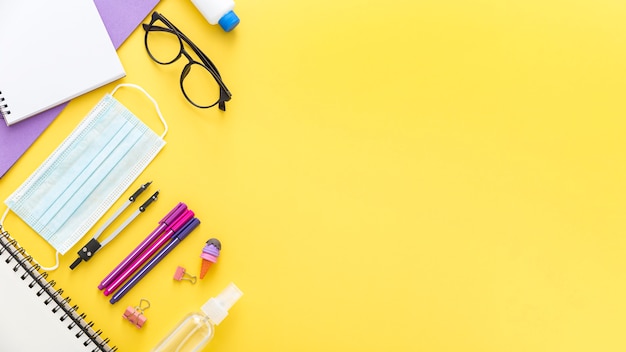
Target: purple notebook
<point>120,18</point>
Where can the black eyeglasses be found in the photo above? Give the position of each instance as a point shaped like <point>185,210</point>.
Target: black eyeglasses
<point>200,81</point>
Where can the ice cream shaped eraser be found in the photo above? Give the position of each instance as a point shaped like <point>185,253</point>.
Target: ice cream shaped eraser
<point>209,255</point>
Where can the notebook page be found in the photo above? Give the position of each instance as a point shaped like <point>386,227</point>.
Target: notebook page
<point>32,324</point>
<point>30,318</point>
<point>52,51</point>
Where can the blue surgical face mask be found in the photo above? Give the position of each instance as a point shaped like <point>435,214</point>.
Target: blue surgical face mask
<point>87,173</point>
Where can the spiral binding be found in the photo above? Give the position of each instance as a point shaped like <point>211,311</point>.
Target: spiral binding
<point>18,255</point>
<point>4,108</point>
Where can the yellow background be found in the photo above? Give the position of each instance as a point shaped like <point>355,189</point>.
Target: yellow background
<point>432,175</point>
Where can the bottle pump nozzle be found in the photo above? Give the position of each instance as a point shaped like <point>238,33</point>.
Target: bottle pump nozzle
<point>217,308</point>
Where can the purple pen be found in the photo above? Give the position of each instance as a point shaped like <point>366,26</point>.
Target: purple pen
<point>166,222</point>
<point>176,239</point>
<point>153,248</point>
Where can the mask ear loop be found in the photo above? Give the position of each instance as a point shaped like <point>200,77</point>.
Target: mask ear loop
<point>57,261</point>
<point>131,85</point>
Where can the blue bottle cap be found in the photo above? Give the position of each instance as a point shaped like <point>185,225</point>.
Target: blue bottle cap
<point>229,21</point>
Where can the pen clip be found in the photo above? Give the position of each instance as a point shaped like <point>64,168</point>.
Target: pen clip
<point>181,221</point>
<point>139,191</point>
<point>173,214</point>
<point>154,197</point>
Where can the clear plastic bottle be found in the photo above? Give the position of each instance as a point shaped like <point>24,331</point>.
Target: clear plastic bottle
<point>197,329</point>
<point>218,11</point>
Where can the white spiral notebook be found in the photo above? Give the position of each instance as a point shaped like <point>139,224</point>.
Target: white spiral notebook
<point>52,51</point>
<point>37,316</point>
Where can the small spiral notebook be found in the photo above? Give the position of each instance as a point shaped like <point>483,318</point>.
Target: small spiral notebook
<point>35,314</point>
<point>52,51</point>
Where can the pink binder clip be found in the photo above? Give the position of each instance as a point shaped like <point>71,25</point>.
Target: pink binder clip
<point>135,315</point>
<point>181,274</point>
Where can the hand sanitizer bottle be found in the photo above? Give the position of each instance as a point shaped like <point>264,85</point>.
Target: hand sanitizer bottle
<point>218,11</point>
<point>197,329</point>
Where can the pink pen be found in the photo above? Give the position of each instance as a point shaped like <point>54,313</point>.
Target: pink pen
<point>154,247</point>
<point>166,222</point>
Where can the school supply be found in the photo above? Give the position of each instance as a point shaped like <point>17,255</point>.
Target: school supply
<point>81,179</point>
<point>149,252</point>
<point>53,51</point>
<point>119,211</point>
<point>135,314</point>
<point>35,314</point>
<point>94,245</point>
<point>121,18</point>
<point>176,239</point>
<point>209,255</point>
<point>164,224</point>
<point>181,274</point>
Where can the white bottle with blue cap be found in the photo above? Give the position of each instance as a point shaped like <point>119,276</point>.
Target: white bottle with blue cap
<point>218,12</point>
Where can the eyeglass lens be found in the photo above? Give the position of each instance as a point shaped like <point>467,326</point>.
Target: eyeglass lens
<point>199,85</point>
